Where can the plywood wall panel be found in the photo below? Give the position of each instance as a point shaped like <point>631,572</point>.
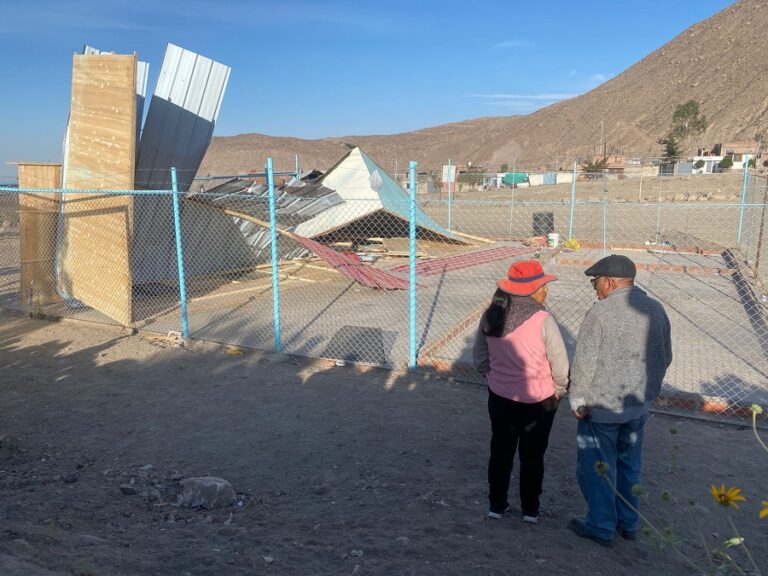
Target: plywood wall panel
<point>101,152</point>
<point>38,213</point>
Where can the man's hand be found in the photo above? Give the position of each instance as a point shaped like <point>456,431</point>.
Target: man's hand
<point>581,412</point>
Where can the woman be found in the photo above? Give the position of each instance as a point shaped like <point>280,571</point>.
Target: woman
<point>520,352</point>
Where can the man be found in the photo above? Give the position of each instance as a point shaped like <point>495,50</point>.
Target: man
<point>622,354</point>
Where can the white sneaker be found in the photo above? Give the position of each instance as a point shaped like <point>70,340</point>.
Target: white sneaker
<point>498,515</point>
<point>531,519</point>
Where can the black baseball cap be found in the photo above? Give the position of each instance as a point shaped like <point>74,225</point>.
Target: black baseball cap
<point>615,266</point>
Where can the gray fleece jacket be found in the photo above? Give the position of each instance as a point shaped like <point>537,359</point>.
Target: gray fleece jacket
<point>622,354</point>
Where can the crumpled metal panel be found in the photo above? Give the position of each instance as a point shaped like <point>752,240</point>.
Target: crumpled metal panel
<point>179,125</point>
<point>181,118</point>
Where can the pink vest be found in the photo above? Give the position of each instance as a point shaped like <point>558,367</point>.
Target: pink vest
<point>520,369</point>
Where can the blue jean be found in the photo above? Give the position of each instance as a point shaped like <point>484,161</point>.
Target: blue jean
<point>620,447</point>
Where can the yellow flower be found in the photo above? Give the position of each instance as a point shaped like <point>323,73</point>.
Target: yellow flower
<point>764,511</point>
<point>727,497</point>
<point>602,468</point>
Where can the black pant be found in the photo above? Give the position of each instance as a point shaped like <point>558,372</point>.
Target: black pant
<point>528,425</point>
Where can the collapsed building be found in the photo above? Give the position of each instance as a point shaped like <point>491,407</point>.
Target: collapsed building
<point>96,249</point>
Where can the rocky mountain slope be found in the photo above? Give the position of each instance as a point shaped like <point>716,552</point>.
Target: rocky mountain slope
<point>719,62</point>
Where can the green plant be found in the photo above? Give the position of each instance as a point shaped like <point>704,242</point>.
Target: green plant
<point>595,165</point>
<point>687,123</point>
<point>504,167</point>
<point>699,164</point>
<point>687,120</point>
<point>671,146</point>
<point>726,163</point>
<point>721,561</point>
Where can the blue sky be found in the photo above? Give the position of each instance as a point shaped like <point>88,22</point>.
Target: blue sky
<point>331,68</point>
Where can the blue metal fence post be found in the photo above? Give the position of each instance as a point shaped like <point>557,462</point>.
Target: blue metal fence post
<point>298,172</point>
<point>412,265</point>
<point>179,255</point>
<point>573,202</point>
<point>658,208</point>
<point>273,244</point>
<point>743,198</point>
<point>512,203</point>
<point>449,195</point>
<point>605,214</point>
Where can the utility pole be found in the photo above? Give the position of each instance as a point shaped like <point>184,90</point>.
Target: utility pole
<point>601,139</point>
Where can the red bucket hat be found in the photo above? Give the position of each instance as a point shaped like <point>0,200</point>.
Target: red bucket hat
<point>524,278</point>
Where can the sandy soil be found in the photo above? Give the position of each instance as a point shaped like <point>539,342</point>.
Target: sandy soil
<point>338,470</point>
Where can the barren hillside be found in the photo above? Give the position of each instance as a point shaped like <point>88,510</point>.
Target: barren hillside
<point>719,62</point>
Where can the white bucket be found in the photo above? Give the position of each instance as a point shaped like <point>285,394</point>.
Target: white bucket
<point>553,240</point>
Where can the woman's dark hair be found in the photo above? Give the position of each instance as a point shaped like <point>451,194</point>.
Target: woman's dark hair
<point>496,314</point>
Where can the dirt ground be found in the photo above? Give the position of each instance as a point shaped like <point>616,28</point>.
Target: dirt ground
<point>338,470</point>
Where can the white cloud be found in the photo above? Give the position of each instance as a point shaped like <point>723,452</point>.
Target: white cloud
<point>517,43</point>
<point>522,103</point>
<point>598,78</point>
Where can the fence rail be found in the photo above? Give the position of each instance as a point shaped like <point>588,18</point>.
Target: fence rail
<point>395,278</point>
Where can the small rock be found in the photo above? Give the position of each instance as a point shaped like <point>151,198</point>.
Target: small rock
<point>207,492</point>
<point>69,478</point>
<point>152,495</point>
<point>146,470</point>
<point>356,553</point>
<point>21,543</point>
<point>129,489</point>
<point>404,540</point>
<point>268,559</point>
<point>174,475</point>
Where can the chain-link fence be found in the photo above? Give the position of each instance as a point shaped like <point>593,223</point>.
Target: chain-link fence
<point>328,268</point>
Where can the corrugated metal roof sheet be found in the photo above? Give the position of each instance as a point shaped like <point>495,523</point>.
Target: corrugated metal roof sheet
<point>181,117</point>
<point>461,261</point>
<point>396,201</point>
<point>351,267</point>
<point>293,204</point>
<point>365,188</point>
<point>178,129</point>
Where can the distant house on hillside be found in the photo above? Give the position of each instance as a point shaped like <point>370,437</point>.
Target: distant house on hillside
<point>739,152</point>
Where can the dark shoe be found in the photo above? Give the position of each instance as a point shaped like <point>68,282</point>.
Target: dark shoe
<point>498,514</point>
<point>627,534</point>
<point>578,527</point>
